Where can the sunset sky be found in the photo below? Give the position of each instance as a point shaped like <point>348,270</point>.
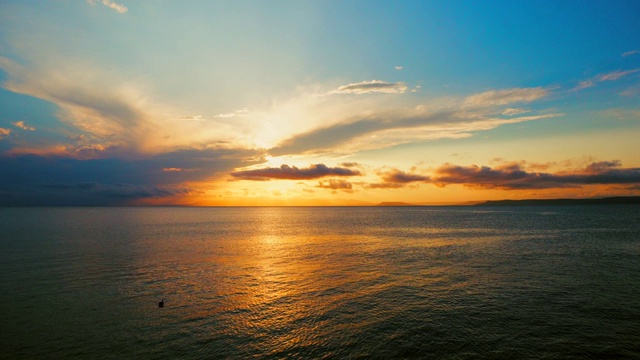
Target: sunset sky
<point>134,102</point>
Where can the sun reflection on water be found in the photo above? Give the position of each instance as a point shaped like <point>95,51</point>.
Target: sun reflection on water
<point>282,279</point>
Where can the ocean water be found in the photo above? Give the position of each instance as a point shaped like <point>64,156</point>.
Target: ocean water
<point>320,283</point>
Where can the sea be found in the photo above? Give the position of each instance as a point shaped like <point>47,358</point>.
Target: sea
<point>510,282</point>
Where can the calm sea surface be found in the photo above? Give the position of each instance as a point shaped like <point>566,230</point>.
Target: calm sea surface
<point>336,283</point>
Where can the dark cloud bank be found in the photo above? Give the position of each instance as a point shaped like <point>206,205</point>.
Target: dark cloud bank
<point>31,180</point>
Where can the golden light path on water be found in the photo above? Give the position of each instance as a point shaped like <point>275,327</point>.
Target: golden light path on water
<point>283,280</point>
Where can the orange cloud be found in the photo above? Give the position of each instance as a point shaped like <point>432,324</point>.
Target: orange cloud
<point>513,176</point>
<point>395,179</point>
<point>23,126</point>
<point>4,132</point>
<point>334,184</point>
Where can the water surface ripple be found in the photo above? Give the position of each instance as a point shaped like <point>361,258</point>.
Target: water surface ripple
<point>322,283</point>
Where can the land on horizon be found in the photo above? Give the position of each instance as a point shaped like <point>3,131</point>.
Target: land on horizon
<point>615,200</point>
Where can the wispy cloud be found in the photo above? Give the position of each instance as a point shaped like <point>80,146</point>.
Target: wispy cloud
<point>104,111</point>
<point>584,84</point>
<point>507,96</point>
<point>191,118</point>
<point>622,114</point>
<point>237,113</point>
<point>629,53</point>
<point>21,124</point>
<point>616,75</point>
<point>515,111</point>
<point>111,4</point>
<point>398,67</point>
<point>286,172</point>
<point>115,6</point>
<point>631,91</point>
<point>392,131</point>
<point>373,86</point>
<point>111,111</point>
<point>115,114</point>
<point>612,76</point>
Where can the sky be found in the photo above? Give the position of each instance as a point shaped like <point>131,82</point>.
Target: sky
<point>332,102</point>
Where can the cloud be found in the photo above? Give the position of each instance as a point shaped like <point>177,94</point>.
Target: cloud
<point>584,84</point>
<point>504,97</point>
<point>616,75</point>
<point>191,118</point>
<point>105,111</point>
<point>515,111</point>
<point>4,132</point>
<point>326,138</point>
<point>629,53</point>
<point>631,91</point>
<point>350,164</point>
<point>390,130</point>
<point>373,86</point>
<point>115,114</point>
<point>385,185</point>
<point>237,113</point>
<point>612,76</point>
<point>394,179</point>
<point>113,192</point>
<point>60,180</point>
<point>401,177</point>
<point>336,184</point>
<point>23,126</point>
<point>622,114</point>
<point>112,112</point>
<point>115,6</point>
<point>286,172</point>
<point>513,176</point>
<point>601,166</point>
<point>398,68</point>
<point>111,4</point>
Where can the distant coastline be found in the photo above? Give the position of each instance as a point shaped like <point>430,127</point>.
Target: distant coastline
<point>397,203</point>
<point>618,200</point>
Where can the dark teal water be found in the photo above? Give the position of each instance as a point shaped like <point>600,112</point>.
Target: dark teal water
<point>335,283</point>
